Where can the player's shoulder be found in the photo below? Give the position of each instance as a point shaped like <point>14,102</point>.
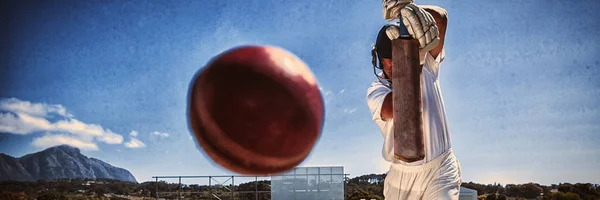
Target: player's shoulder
<point>378,85</point>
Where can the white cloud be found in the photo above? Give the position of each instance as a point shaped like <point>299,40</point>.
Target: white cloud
<point>160,134</point>
<point>34,109</point>
<point>50,140</point>
<point>33,123</point>
<point>24,117</point>
<point>110,138</point>
<point>133,133</point>
<point>26,124</point>
<point>77,127</point>
<point>9,123</point>
<point>327,95</point>
<point>134,143</point>
<point>349,110</point>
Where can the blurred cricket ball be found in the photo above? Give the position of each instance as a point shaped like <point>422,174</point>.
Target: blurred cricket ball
<point>256,110</point>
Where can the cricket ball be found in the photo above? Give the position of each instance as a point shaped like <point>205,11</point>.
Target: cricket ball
<point>256,110</point>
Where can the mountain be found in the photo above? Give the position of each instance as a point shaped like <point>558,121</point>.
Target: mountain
<point>11,169</point>
<point>59,162</point>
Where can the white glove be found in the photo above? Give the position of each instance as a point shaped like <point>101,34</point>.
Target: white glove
<point>421,26</point>
<point>393,32</point>
<point>391,8</point>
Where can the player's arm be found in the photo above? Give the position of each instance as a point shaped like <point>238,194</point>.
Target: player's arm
<point>379,100</point>
<point>440,16</point>
<point>387,108</point>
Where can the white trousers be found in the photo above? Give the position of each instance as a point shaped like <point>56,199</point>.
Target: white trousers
<point>438,179</point>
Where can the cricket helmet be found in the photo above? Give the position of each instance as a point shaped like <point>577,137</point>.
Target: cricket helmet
<point>380,50</point>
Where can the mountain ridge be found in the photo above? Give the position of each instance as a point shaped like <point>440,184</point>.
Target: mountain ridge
<point>59,162</point>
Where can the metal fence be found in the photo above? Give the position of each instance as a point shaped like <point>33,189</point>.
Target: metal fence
<point>302,183</point>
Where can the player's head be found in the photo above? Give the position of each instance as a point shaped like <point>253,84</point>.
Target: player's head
<point>382,51</point>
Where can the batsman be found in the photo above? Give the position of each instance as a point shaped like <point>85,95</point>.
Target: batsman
<point>406,103</point>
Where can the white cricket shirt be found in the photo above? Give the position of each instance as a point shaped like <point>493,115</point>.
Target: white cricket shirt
<point>435,126</point>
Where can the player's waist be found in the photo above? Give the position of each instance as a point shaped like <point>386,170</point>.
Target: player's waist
<point>436,162</point>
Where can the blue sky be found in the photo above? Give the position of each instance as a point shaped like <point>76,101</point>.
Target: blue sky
<point>521,81</point>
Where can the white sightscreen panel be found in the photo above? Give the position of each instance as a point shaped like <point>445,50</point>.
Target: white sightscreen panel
<point>309,183</point>
<point>325,170</point>
<point>337,170</point>
<point>301,170</point>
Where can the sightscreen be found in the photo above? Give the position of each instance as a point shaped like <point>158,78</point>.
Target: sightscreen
<point>309,183</point>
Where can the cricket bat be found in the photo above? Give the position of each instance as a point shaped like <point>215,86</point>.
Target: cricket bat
<point>406,94</point>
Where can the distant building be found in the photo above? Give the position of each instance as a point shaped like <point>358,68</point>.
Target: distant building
<point>89,183</point>
<point>467,194</point>
<point>309,183</point>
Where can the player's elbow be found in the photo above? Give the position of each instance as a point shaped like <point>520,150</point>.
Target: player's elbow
<point>386,113</point>
<point>440,15</point>
<point>387,109</point>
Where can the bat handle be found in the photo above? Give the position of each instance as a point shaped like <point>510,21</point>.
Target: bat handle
<point>403,30</point>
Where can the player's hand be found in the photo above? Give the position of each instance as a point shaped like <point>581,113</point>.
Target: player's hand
<point>391,8</point>
<point>393,32</point>
<point>421,26</point>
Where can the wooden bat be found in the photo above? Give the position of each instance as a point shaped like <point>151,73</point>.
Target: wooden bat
<point>406,91</point>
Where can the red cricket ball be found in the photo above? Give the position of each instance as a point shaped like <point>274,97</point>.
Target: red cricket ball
<point>256,110</point>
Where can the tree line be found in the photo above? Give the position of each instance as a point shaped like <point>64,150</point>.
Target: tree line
<point>96,189</point>
<point>371,187</point>
<point>362,187</point>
